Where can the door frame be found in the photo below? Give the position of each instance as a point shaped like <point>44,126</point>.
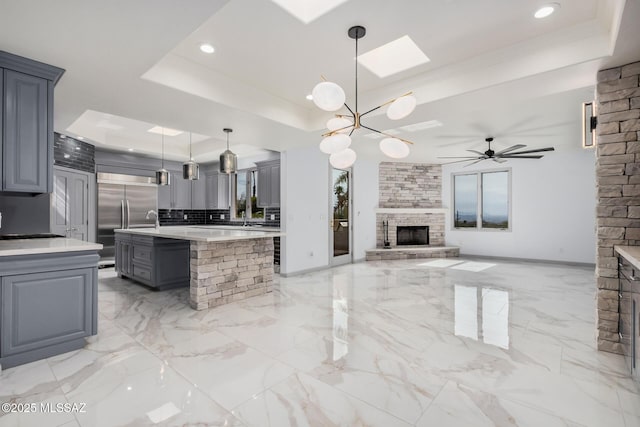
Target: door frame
<point>347,258</point>
<point>92,226</point>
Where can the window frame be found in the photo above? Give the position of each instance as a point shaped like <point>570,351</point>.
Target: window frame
<point>234,196</point>
<point>479,227</point>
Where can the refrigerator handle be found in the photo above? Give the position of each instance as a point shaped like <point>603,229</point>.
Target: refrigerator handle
<point>122,214</point>
<point>128,216</point>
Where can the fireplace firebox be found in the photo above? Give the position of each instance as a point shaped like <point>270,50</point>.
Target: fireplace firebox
<point>414,235</point>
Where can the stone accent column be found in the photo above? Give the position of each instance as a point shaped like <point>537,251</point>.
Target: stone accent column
<point>223,272</point>
<point>618,187</point>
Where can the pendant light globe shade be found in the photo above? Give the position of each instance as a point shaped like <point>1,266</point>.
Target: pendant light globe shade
<point>345,125</point>
<point>190,170</point>
<point>394,148</point>
<point>335,143</point>
<point>228,162</point>
<point>343,159</point>
<point>328,96</point>
<point>163,177</point>
<point>401,107</point>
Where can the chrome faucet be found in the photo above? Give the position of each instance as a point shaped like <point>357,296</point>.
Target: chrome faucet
<point>152,212</point>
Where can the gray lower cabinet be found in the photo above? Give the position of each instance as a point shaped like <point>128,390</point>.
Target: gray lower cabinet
<point>48,305</point>
<point>629,314</point>
<point>153,261</point>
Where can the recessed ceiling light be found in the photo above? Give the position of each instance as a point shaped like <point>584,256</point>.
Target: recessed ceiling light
<point>77,148</point>
<point>130,149</point>
<point>393,57</point>
<point>166,131</point>
<point>308,10</point>
<point>309,97</point>
<point>207,48</point>
<point>546,10</point>
<point>67,156</point>
<point>81,138</point>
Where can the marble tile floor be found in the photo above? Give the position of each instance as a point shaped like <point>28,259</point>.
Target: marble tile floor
<point>388,343</point>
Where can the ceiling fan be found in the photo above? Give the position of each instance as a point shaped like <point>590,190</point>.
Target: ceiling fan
<point>500,156</point>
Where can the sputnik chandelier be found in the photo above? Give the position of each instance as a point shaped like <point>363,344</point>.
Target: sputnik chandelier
<point>328,96</point>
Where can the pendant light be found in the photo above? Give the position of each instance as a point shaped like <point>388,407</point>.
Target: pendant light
<point>190,169</point>
<point>228,160</point>
<point>162,176</point>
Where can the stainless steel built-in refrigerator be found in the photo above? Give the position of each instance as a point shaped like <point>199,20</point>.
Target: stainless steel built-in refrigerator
<point>123,202</point>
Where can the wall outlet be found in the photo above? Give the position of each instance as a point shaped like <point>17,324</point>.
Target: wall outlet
<point>221,216</point>
<point>273,217</point>
<point>185,216</point>
<point>210,216</point>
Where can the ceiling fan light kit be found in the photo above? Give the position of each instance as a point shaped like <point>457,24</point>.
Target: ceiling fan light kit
<point>329,96</point>
<point>500,156</point>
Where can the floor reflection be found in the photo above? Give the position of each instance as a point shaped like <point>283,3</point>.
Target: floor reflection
<point>482,314</point>
<point>340,319</point>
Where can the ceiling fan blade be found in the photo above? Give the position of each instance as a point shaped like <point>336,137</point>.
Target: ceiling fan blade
<point>498,160</point>
<point>513,147</point>
<point>458,157</point>
<point>537,150</point>
<point>458,161</point>
<point>476,152</point>
<point>521,157</point>
<point>471,164</point>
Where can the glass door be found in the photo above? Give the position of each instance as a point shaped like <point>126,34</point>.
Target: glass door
<point>340,235</point>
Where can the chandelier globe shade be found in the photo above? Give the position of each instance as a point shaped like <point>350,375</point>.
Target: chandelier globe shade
<point>328,96</point>
<point>335,143</point>
<point>394,148</point>
<point>340,125</point>
<point>343,159</point>
<point>401,107</point>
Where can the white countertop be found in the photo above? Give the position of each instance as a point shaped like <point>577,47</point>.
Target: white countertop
<point>630,253</point>
<point>45,246</point>
<point>204,233</point>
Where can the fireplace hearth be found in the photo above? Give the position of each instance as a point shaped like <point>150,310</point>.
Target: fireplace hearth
<point>412,235</point>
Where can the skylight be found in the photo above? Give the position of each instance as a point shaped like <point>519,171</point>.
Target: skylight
<point>393,57</point>
<point>166,131</point>
<point>308,10</point>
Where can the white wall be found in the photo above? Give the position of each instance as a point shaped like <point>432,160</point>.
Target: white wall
<point>553,206</point>
<point>305,209</point>
<point>365,201</point>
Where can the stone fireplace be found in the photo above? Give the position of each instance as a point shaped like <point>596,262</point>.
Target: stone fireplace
<point>410,197</point>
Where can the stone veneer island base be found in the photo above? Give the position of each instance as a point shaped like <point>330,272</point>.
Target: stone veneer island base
<point>223,272</point>
<point>226,264</point>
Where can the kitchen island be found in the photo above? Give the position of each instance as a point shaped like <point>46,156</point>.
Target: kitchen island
<point>48,297</point>
<point>224,263</point>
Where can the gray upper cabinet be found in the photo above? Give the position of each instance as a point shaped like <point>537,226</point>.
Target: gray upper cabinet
<point>269,184</point>
<point>27,124</point>
<point>217,196</point>
<point>177,195</point>
<point>199,193</point>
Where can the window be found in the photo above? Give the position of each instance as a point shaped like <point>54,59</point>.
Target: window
<point>245,188</point>
<point>481,200</point>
